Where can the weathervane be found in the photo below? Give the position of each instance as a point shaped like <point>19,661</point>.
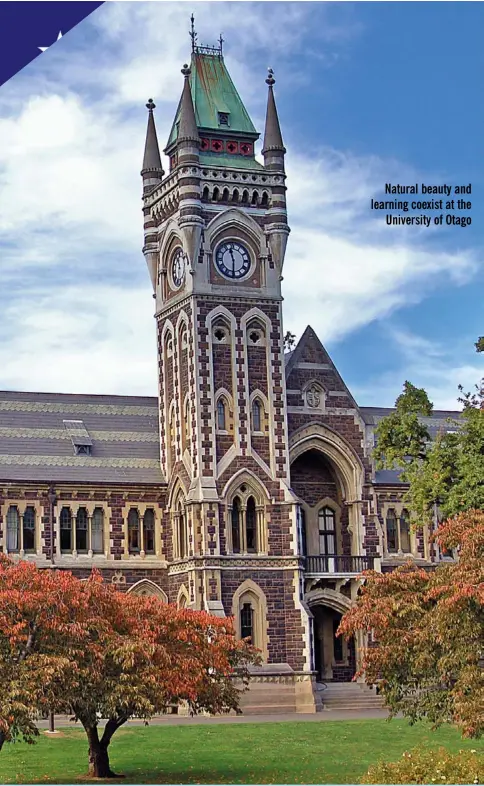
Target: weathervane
<point>193,34</point>
<point>204,50</point>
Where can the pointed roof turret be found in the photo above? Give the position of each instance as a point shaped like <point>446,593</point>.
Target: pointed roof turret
<point>152,159</point>
<point>272,134</point>
<point>187,125</point>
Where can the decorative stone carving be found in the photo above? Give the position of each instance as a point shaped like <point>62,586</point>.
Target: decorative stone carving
<point>313,397</point>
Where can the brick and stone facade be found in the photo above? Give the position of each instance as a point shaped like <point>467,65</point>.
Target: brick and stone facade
<point>246,488</point>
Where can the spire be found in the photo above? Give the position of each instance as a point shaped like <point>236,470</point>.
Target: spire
<point>151,160</point>
<point>272,134</point>
<point>187,129</point>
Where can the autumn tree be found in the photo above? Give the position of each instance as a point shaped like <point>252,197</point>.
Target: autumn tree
<point>119,656</point>
<point>426,632</point>
<point>38,637</point>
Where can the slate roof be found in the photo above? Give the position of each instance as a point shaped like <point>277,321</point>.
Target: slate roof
<point>439,421</point>
<point>36,444</point>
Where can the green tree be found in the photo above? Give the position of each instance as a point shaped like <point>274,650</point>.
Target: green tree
<point>448,472</point>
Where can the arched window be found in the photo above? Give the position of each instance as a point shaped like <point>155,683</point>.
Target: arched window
<point>327,534</point>
<point>187,423</point>
<point>235,195</point>
<point>13,529</point>
<point>29,530</point>
<point>245,197</point>
<point>182,533</point>
<point>256,415</point>
<point>172,426</point>
<point>221,414</point>
<point>264,200</point>
<point>255,198</point>
<point>247,622</point>
<point>215,194</point>
<point>249,608</point>
<point>236,521</point>
<point>225,195</point>
<point>149,532</point>
<point>134,540</point>
<point>405,532</point>
<point>302,524</point>
<point>81,531</point>
<point>97,531</point>
<point>205,194</point>
<point>251,525</point>
<point>391,527</point>
<point>66,530</point>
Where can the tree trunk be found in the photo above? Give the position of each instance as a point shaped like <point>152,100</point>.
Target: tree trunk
<point>2,739</point>
<point>98,756</point>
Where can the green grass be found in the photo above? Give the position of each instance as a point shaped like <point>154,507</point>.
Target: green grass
<point>324,752</point>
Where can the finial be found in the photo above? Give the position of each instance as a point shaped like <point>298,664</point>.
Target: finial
<point>186,71</point>
<point>150,105</point>
<point>221,42</point>
<point>270,77</point>
<point>193,34</point>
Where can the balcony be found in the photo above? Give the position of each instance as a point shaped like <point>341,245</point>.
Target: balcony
<point>337,565</point>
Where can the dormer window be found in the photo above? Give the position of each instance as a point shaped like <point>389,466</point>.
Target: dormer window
<point>83,450</point>
<point>223,119</point>
<point>80,438</point>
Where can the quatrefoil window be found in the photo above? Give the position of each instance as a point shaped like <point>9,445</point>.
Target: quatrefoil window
<point>220,334</point>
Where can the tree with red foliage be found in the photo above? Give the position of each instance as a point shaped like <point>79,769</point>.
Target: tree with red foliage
<point>114,656</point>
<point>426,632</point>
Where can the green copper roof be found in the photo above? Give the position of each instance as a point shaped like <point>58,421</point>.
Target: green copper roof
<point>213,92</point>
<point>231,162</point>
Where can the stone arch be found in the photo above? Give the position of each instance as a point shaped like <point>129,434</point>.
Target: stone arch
<point>182,598</point>
<point>171,238</point>
<point>242,224</point>
<point>177,491</point>
<point>249,592</point>
<point>347,465</point>
<point>318,436</point>
<point>148,588</point>
<point>247,531</point>
<point>255,486</point>
<point>323,596</point>
<point>327,607</point>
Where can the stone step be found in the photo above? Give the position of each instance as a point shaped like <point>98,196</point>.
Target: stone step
<point>268,709</point>
<point>265,695</point>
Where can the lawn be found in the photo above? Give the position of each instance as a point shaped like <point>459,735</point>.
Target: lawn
<point>325,752</point>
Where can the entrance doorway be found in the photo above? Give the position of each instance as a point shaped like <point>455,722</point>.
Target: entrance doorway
<point>334,658</point>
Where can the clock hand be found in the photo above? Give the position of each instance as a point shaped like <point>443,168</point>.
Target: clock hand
<point>233,260</point>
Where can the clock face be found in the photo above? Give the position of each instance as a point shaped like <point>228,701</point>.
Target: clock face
<point>178,268</point>
<point>232,259</point>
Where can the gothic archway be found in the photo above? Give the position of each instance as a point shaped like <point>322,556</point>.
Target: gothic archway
<point>147,588</point>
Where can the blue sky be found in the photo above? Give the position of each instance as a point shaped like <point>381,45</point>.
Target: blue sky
<point>367,93</point>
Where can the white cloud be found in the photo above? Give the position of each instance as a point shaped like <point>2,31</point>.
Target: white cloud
<point>79,313</point>
<point>433,365</point>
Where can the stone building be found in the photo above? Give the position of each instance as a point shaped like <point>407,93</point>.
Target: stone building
<point>246,487</point>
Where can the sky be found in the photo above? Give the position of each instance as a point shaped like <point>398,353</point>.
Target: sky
<point>367,94</point>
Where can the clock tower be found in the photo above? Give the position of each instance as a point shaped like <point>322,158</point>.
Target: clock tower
<point>215,239</point>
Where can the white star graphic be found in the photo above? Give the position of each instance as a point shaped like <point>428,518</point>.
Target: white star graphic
<point>44,48</point>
